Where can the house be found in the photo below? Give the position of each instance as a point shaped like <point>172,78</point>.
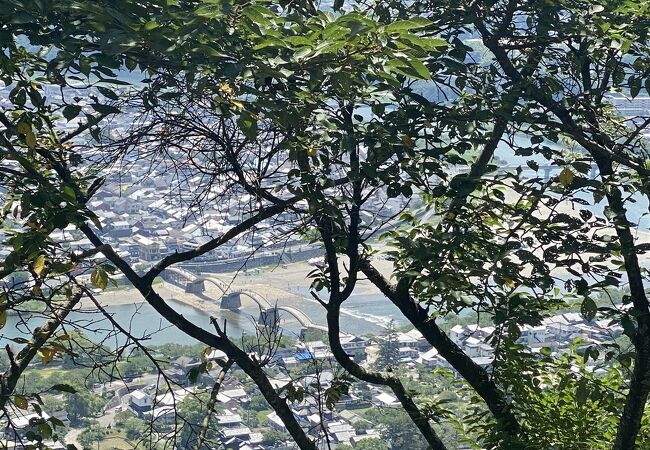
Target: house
<point>140,402</point>
<point>457,334</point>
<point>342,432</point>
<point>354,440</point>
<point>119,228</point>
<point>384,399</point>
<point>241,433</point>
<point>237,394</point>
<point>432,359</point>
<point>173,398</point>
<point>164,415</point>
<point>17,427</point>
<point>560,331</point>
<point>475,347</point>
<point>314,346</point>
<point>185,363</point>
<point>229,420</point>
<point>533,336</point>
<point>421,343</point>
<point>484,362</point>
<point>354,346</point>
<point>276,423</point>
<point>408,353</point>
<point>406,340</point>
<point>148,249</point>
<point>279,383</point>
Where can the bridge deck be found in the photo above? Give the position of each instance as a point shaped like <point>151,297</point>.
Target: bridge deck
<point>261,301</point>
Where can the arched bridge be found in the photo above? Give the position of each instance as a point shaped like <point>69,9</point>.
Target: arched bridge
<point>546,169</point>
<point>231,298</point>
<point>270,316</point>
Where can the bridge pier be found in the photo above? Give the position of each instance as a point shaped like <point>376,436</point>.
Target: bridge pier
<point>231,301</point>
<point>195,287</point>
<point>310,334</point>
<point>269,317</point>
<point>547,173</point>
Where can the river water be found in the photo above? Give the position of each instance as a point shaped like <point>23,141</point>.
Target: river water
<point>361,314</point>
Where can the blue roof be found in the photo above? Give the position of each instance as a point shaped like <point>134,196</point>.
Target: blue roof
<point>303,356</point>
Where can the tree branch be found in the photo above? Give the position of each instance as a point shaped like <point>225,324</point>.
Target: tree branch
<point>476,376</point>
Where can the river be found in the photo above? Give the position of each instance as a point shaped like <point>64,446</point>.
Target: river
<point>361,314</point>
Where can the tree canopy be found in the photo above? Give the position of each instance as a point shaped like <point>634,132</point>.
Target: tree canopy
<point>492,128</point>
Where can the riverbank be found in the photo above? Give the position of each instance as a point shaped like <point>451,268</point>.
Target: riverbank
<point>274,283</point>
<point>288,285</point>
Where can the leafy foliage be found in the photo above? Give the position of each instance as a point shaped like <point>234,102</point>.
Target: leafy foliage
<point>330,116</point>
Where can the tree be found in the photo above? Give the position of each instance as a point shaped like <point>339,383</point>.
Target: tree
<point>258,403</point>
<point>388,355</point>
<point>317,120</point>
<point>397,429</point>
<point>273,437</point>
<point>91,435</point>
<point>193,412</point>
<point>82,405</point>
<point>372,444</point>
<point>134,428</point>
<point>362,426</point>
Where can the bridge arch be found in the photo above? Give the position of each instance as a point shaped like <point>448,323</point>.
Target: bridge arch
<point>301,317</point>
<point>266,308</point>
<point>215,283</point>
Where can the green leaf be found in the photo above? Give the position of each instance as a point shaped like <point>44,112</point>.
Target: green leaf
<point>99,278</point>
<point>582,393</point>
<point>410,67</point>
<point>588,309</point>
<point>566,177</point>
<point>108,93</point>
<point>194,372</point>
<point>635,86</point>
<point>23,128</point>
<point>64,388</point>
<point>105,109</point>
<point>30,140</point>
<point>21,401</point>
<point>407,25</point>
<point>71,111</point>
<point>84,65</point>
<point>68,193</point>
<point>629,327</point>
<point>56,422</point>
<point>258,14</point>
<point>39,264</point>
<point>151,25</point>
<point>248,124</point>
<point>45,430</point>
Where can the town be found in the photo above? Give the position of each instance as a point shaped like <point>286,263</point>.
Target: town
<point>106,383</point>
<point>244,421</point>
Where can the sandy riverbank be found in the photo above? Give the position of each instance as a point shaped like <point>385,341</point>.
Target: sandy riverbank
<point>290,282</point>
<point>273,283</point>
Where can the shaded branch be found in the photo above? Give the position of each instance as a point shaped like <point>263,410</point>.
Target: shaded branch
<point>475,375</point>
<point>41,335</point>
